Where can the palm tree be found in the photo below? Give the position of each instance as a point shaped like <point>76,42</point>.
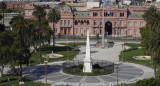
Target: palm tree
<point>20,26</point>
<point>152,17</point>
<point>3,7</point>
<point>39,13</point>
<point>54,17</point>
<point>150,33</point>
<point>155,46</point>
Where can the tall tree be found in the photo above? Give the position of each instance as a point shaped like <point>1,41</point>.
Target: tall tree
<point>3,7</point>
<point>20,27</point>
<point>54,17</point>
<point>152,18</point>
<point>39,13</point>
<point>6,41</point>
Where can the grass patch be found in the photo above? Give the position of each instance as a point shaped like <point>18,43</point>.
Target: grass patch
<point>68,53</point>
<point>133,45</point>
<point>14,81</point>
<point>73,43</point>
<point>133,84</point>
<point>127,55</point>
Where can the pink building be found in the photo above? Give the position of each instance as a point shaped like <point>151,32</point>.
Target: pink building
<point>124,21</point>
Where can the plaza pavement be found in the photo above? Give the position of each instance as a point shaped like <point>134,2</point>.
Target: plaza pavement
<point>109,54</point>
<point>128,72</point>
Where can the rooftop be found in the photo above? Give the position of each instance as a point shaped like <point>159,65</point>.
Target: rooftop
<point>82,14</point>
<point>136,15</point>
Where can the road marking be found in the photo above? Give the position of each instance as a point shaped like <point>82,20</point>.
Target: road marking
<point>103,81</point>
<point>82,80</point>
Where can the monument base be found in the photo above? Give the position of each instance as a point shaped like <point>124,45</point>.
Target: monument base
<point>87,65</point>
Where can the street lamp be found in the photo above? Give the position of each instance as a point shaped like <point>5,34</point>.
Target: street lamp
<point>46,70</point>
<point>21,83</point>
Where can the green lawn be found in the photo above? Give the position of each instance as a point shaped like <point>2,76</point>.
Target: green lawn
<point>73,43</point>
<point>133,45</point>
<point>14,81</point>
<point>68,53</point>
<point>127,85</point>
<point>127,56</point>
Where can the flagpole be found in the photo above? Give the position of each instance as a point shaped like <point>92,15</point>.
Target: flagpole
<point>103,46</point>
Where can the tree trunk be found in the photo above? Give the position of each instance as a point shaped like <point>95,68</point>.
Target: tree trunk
<point>53,35</point>
<point>21,66</point>
<point>20,57</point>
<point>39,24</point>
<point>1,71</point>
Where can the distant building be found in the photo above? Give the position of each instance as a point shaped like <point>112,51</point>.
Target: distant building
<point>16,5</point>
<point>124,21</point>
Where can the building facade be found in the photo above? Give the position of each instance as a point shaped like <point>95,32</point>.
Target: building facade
<point>124,21</point>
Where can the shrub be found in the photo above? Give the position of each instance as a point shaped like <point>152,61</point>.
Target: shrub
<point>96,66</point>
<point>108,70</point>
<point>149,82</point>
<point>75,70</point>
<point>101,71</point>
<point>80,66</point>
<point>96,71</point>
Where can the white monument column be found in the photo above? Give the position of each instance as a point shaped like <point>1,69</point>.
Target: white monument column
<point>87,60</point>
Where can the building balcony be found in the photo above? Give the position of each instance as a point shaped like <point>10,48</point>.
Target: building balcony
<point>67,26</point>
<point>96,26</point>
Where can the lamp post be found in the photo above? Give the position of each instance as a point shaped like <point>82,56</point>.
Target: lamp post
<point>21,83</point>
<point>46,70</point>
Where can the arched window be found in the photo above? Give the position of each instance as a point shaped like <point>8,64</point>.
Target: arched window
<point>121,23</point>
<point>135,31</point>
<point>129,32</point>
<point>129,23</point>
<point>95,23</point>
<point>115,32</point>
<point>88,23</point>
<point>69,22</point>
<point>95,31</point>
<point>65,22</point>
<point>135,23</point>
<point>115,24</point>
<point>82,23</point>
<point>121,31</point>
<point>76,22</point>
<point>141,24</point>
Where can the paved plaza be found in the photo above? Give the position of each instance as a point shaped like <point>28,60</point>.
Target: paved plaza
<point>127,72</point>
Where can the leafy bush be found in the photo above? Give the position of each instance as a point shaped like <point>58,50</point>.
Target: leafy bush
<point>108,70</point>
<point>80,66</point>
<point>96,66</point>
<point>102,71</point>
<point>149,82</point>
<point>75,70</point>
<point>96,71</point>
